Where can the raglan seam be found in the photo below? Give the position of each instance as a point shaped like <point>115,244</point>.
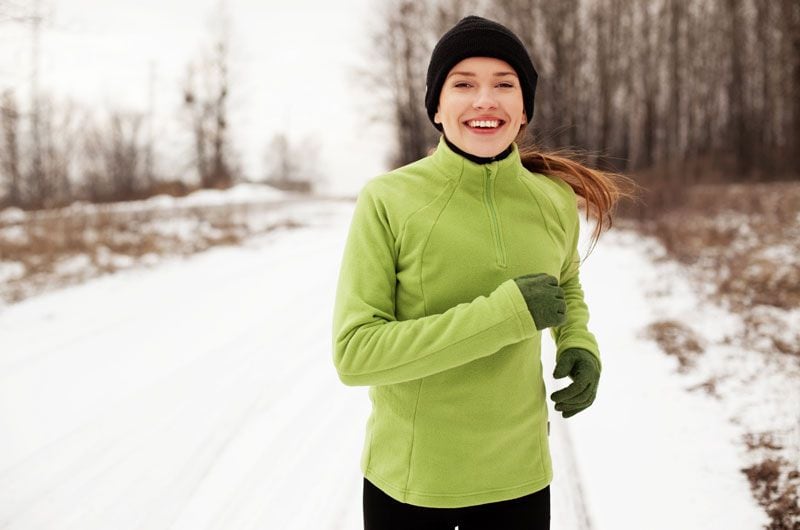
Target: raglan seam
<point>425,246</point>
<point>455,174</point>
<point>404,227</point>
<point>375,198</point>
<point>572,241</point>
<point>552,202</point>
<point>573,234</point>
<point>527,186</point>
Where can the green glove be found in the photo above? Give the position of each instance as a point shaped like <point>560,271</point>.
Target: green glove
<point>544,297</point>
<point>584,370</point>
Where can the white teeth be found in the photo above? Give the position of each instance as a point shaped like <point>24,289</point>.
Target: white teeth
<point>484,123</point>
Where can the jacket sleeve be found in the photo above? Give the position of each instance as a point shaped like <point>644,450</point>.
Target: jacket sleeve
<point>372,347</point>
<point>574,333</point>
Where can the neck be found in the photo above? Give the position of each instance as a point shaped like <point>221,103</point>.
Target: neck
<point>479,159</point>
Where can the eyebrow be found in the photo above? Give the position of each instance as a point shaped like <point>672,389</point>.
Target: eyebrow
<point>472,74</point>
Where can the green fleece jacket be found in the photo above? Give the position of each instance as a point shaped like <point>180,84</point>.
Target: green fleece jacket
<point>427,313</point>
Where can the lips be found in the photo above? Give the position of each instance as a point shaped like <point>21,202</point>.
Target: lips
<point>484,125</point>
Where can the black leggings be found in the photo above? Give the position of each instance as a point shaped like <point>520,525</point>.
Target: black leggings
<point>382,512</point>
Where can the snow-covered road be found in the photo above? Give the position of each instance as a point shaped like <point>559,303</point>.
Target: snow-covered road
<point>200,394</point>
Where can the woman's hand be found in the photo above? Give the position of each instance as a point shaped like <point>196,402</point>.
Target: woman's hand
<point>584,370</point>
<point>544,297</point>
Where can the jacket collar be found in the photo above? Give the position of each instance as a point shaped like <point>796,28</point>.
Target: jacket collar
<point>478,159</point>
<point>454,165</point>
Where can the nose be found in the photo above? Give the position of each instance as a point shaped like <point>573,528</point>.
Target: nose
<point>484,99</point>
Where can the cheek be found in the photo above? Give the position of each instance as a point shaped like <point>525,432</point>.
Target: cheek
<point>452,107</point>
<point>514,105</point>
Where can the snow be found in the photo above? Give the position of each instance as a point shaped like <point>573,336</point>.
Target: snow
<point>14,234</point>
<point>651,454</point>
<point>240,194</point>
<point>10,270</point>
<point>244,193</point>
<point>11,215</point>
<point>200,394</point>
<point>74,265</point>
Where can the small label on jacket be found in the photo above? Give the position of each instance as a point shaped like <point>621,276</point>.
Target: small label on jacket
<point>548,427</point>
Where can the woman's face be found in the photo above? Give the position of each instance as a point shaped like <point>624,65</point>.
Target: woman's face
<point>481,89</point>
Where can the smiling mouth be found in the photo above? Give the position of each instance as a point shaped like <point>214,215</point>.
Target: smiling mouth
<point>484,124</point>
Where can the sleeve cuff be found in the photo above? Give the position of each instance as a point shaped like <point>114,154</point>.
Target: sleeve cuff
<point>527,325</point>
<point>587,348</point>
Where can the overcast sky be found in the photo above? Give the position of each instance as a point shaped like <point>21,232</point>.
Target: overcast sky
<point>291,62</point>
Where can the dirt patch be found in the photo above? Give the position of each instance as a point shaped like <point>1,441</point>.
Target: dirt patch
<point>776,485</point>
<point>676,339</point>
<point>709,386</point>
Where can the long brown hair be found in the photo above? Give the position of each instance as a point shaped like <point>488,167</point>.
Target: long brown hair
<point>600,191</point>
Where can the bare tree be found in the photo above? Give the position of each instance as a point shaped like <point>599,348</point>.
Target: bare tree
<point>688,89</point>
<point>58,145</point>
<point>549,30</point>
<point>790,32</point>
<point>10,164</point>
<point>400,48</point>
<point>290,168</point>
<point>125,154</point>
<point>676,57</point>
<point>206,104</point>
<point>36,179</point>
<point>399,42</point>
<point>113,161</point>
<point>646,88</point>
<point>739,132</point>
<point>149,176</point>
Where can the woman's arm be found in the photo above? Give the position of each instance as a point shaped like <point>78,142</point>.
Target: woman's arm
<point>371,347</point>
<point>574,333</point>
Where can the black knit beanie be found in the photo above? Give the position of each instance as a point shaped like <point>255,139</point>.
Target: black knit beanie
<point>475,36</point>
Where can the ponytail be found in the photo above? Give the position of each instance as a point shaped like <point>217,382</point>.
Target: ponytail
<point>599,190</point>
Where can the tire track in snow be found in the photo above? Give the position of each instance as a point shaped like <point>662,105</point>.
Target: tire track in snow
<point>242,284</point>
<point>94,354</point>
<point>121,446</point>
<point>569,504</point>
<point>307,251</point>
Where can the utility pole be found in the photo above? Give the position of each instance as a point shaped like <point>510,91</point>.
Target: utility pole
<point>151,98</point>
<point>37,177</point>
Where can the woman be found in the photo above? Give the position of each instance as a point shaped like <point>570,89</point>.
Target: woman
<point>453,266</point>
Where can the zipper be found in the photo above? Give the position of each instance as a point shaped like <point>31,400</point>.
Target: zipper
<point>500,250</point>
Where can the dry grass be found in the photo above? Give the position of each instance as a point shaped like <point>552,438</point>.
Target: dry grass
<point>741,243</point>
<point>776,485</point>
<point>734,231</point>
<point>709,386</point>
<point>676,339</point>
<point>57,248</point>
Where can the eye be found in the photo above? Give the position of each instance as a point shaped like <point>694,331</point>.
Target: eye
<point>461,84</point>
<point>506,85</point>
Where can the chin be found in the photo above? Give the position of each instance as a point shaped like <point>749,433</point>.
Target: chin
<point>486,150</point>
